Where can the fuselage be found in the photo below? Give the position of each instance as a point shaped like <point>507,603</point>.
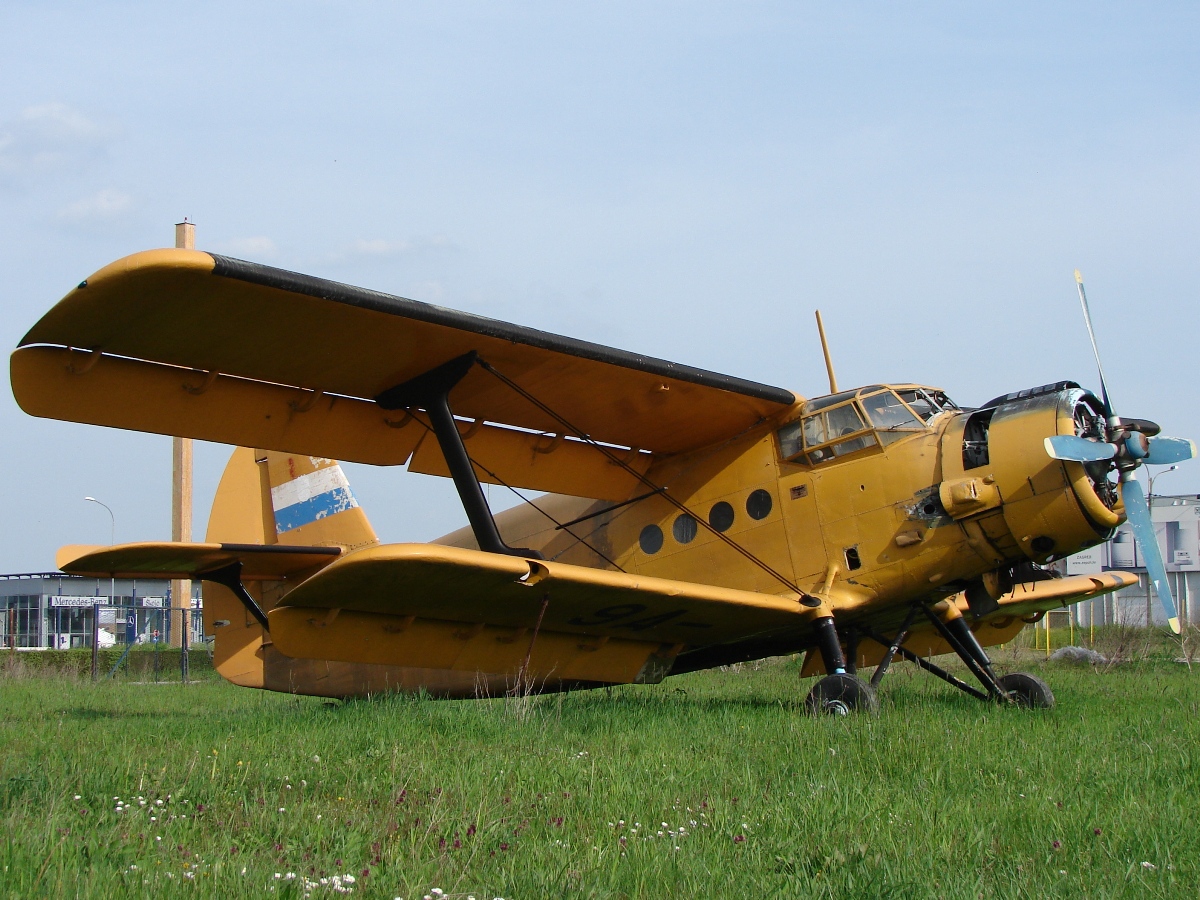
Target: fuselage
<point>881,495</point>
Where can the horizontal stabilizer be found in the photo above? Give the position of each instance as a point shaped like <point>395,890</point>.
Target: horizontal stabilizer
<point>166,559</point>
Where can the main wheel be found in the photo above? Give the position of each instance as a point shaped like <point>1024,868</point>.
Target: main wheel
<point>841,694</point>
<point>1027,691</point>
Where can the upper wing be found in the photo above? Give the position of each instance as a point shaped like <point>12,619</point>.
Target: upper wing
<point>290,362</point>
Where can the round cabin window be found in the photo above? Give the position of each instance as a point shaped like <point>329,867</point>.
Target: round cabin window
<point>684,529</point>
<point>720,516</point>
<point>758,504</point>
<point>651,539</point>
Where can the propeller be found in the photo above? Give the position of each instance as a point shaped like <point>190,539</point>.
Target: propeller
<point>1127,444</point>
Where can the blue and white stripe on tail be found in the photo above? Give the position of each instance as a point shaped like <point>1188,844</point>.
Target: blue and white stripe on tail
<point>313,503</point>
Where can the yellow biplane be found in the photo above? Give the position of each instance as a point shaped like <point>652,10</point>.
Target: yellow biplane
<point>689,519</point>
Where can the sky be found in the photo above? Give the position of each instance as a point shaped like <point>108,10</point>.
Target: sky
<point>688,180</point>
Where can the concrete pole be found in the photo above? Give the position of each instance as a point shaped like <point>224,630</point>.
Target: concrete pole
<point>181,498</point>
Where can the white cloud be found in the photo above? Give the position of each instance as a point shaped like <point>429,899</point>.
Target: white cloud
<point>106,204</point>
<point>379,247</point>
<point>257,247</point>
<point>48,137</point>
<point>382,248</point>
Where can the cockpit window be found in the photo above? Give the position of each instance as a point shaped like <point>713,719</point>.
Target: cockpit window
<point>825,435</point>
<point>835,425</point>
<point>886,412</point>
<point>927,403</point>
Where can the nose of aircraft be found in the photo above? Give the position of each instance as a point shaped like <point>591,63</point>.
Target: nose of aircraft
<point>1121,446</point>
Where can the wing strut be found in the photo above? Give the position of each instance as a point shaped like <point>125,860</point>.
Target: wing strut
<point>431,392</point>
<point>230,576</point>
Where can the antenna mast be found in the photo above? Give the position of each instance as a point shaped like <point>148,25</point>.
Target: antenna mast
<point>833,389</point>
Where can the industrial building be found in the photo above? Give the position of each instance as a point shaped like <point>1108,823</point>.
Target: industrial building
<point>1177,526</point>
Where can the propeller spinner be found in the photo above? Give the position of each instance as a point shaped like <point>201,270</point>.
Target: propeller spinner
<point>1127,444</point>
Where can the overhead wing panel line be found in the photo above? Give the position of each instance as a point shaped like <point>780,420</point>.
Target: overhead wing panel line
<point>616,460</point>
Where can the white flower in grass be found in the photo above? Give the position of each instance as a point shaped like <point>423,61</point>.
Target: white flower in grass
<point>1149,866</point>
<point>77,797</point>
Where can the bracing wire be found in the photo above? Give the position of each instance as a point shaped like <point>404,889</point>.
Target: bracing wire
<point>559,526</point>
<point>618,461</point>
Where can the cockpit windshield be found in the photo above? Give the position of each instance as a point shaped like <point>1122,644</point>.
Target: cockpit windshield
<point>840,424</point>
<point>887,412</point>
<point>927,402</point>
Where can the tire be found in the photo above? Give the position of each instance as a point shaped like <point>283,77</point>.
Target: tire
<point>840,695</point>
<point>1027,691</point>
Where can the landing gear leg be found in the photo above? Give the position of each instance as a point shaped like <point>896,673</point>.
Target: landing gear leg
<point>1019,688</point>
<point>839,693</point>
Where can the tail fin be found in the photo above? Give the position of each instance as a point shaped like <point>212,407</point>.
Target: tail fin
<point>312,504</point>
<point>273,498</point>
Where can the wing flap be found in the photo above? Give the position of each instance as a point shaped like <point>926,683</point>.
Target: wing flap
<point>57,383</point>
<point>197,311</point>
<point>429,581</point>
<point>375,638</point>
<point>166,559</point>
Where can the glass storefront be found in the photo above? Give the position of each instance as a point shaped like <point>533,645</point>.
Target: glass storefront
<point>54,611</point>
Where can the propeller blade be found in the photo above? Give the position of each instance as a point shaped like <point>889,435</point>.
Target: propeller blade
<point>1138,513</point>
<point>1077,449</point>
<point>1087,319</point>
<point>1167,450</point>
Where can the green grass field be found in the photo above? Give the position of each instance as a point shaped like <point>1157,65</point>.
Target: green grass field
<point>714,784</point>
